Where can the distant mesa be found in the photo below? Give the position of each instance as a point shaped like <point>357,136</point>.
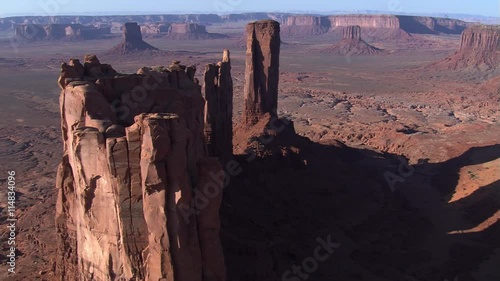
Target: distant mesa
<point>386,25</point>
<point>479,49</point>
<point>36,32</point>
<point>133,42</point>
<point>179,31</point>
<point>352,44</point>
<point>301,26</point>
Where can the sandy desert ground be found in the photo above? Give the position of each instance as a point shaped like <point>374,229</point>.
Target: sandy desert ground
<point>440,222</point>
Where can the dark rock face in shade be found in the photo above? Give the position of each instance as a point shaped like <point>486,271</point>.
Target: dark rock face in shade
<point>218,90</point>
<point>132,40</point>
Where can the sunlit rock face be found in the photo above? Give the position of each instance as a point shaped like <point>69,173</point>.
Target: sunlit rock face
<point>138,195</point>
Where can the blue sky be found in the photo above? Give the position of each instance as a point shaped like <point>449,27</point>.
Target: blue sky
<point>76,7</point>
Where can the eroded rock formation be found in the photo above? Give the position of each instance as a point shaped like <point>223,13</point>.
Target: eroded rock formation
<point>352,44</point>
<point>30,32</point>
<point>352,32</point>
<point>479,48</point>
<point>156,28</point>
<point>304,25</point>
<point>179,31</point>
<point>133,42</point>
<point>78,31</point>
<point>138,195</point>
<point>191,31</point>
<point>262,70</point>
<point>218,90</point>
<point>34,32</point>
<point>297,26</point>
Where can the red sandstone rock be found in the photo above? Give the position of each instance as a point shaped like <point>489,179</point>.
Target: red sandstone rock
<point>78,31</point>
<point>30,32</point>
<point>479,49</point>
<point>156,28</point>
<point>305,25</point>
<point>218,91</point>
<point>352,44</point>
<point>33,32</point>
<point>132,179</point>
<point>180,31</point>
<point>262,70</point>
<point>352,32</point>
<point>299,26</point>
<point>132,40</point>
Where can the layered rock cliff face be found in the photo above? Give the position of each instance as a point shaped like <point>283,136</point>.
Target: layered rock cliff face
<point>55,31</point>
<point>156,28</point>
<point>78,31</point>
<point>34,32</point>
<point>138,194</point>
<point>314,25</point>
<point>352,33</point>
<point>429,25</point>
<point>30,32</point>
<point>298,26</point>
<point>365,21</point>
<point>179,31</point>
<point>479,49</point>
<point>218,91</point>
<point>352,44</point>
<point>262,70</point>
<point>133,42</point>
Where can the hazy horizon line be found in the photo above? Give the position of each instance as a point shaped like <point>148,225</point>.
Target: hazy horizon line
<point>304,12</point>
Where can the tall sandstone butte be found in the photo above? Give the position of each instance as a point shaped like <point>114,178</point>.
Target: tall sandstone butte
<point>262,70</point>
<point>352,44</point>
<point>479,48</point>
<point>132,40</point>
<point>218,90</point>
<point>138,196</point>
<point>352,32</point>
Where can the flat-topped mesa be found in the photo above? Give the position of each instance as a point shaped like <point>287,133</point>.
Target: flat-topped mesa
<point>133,42</point>
<point>379,25</point>
<point>304,25</point>
<point>479,49</point>
<point>352,32</point>
<point>34,32</point>
<point>180,31</point>
<point>261,71</point>
<point>30,32</point>
<point>482,39</point>
<point>156,28</point>
<point>138,196</point>
<point>218,90</point>
<point>78,31</point>
<point>188,28</point>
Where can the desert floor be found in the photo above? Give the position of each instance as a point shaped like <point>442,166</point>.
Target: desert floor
<point>445,123</point>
